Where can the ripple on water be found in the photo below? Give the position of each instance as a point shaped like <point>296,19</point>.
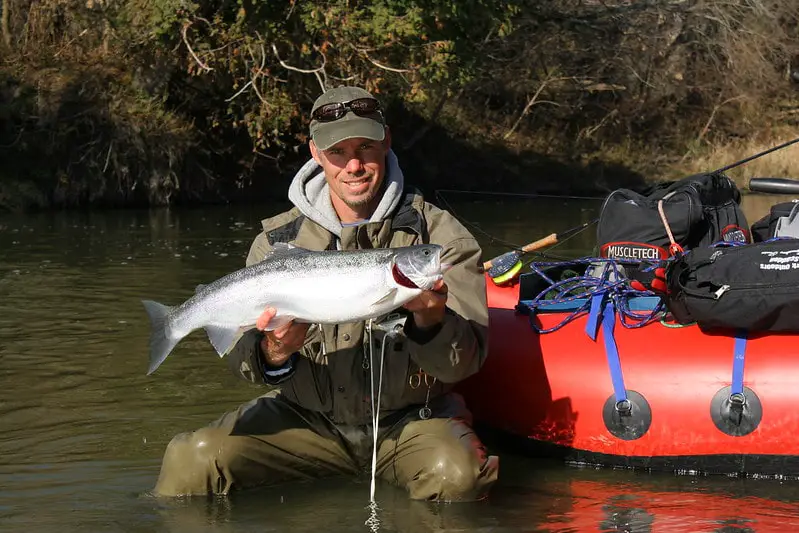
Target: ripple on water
<point>84,429</point>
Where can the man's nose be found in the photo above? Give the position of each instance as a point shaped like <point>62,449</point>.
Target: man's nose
<point>354,165</point>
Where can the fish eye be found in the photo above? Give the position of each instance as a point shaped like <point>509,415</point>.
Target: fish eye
<point>427,252</point>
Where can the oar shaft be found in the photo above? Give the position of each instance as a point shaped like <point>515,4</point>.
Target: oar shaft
<point>774,185</point>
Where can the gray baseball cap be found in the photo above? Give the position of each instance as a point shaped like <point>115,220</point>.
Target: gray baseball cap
<point>327,134</point>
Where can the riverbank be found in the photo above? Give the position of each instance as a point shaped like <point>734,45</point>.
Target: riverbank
<point>483,168</point>
<point>136,104</point>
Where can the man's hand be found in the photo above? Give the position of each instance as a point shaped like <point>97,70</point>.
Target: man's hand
<point>278,345</point>
<point>428,308</point>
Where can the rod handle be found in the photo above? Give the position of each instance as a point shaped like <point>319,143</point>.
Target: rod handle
<point>549,240</point>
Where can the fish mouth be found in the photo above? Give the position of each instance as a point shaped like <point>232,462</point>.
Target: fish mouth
<point>402,279</point>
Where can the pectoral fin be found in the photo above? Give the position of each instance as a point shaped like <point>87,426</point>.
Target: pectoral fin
<point>387,297</point>
<point>222,338</point>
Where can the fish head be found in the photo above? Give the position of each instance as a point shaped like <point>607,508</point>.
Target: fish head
<point>418,267</point>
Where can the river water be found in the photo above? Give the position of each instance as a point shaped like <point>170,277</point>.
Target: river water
<point>83,429</point>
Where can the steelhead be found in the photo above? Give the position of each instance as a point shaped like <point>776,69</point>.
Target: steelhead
<point>327,287</point>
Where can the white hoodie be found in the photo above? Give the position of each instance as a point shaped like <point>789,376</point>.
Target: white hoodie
<point>310,193</point>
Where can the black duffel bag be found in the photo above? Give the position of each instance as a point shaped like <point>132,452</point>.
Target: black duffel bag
<point>700,210</point>
<point>753,287</point>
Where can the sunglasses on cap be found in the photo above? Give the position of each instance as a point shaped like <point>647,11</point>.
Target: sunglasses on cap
<point>360,106</point>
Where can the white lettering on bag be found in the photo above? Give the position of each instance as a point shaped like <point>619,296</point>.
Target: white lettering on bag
<point>780,260</point>
<point>631,252</point>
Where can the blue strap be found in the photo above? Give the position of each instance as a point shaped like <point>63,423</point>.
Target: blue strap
<point>737,386</point>
<point>612,352</point>
<point>597,303</point>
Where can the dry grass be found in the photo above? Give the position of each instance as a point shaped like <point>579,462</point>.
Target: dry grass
<point>783,163</point>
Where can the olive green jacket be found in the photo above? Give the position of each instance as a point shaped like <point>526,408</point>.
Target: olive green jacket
<point>332,374</point>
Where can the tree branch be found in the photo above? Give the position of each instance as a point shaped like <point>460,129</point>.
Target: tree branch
<point>318,72</point>
<point>533,101</point>
<point>259,72</point>
<point>246,86</point>
<point>386,67</point>
<point>191,50</point>
<point>4,18</point>
<point>712,117</point>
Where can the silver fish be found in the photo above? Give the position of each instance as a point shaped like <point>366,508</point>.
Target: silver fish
<point>328,287</point>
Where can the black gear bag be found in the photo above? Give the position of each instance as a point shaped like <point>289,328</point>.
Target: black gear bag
<point>699,211</point>
<point>753,287</point>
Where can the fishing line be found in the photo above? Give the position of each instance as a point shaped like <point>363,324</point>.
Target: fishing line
<point>375,406</point>
<point>522,195</point>
<point>373,522</point>
<point>491,238</point>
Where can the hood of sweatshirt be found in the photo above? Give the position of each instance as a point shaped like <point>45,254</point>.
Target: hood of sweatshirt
<point>310,193</point>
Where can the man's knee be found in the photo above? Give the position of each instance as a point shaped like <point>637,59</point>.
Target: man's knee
<point>454,473</point>
<point>194,463</point>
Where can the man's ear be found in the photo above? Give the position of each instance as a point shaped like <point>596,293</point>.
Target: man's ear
<point>314,152</point>
<point>387,140</point>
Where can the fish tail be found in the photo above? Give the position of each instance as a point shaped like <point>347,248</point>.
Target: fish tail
<point>160,342</point>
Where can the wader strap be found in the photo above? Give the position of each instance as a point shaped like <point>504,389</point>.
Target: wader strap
<point>739,353</point>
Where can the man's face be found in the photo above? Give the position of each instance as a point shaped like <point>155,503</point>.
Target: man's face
<point>354,170</point>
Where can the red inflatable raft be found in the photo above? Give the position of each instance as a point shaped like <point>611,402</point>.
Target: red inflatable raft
<point>555,393</point>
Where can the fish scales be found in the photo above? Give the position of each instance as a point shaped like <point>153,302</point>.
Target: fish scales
<point>302,285</point>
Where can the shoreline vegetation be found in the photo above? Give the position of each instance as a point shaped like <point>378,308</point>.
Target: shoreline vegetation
<point>106,103</point>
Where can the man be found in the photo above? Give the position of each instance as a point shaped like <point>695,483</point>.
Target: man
<point>319,422</point>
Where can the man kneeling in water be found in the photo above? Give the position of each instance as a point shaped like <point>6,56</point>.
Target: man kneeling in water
<point>351,195</point>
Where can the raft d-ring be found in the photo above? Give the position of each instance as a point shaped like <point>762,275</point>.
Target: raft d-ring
<point>738,398</point>
<point>628,419</point>
<point>736,414</point>
<point>624,407</point>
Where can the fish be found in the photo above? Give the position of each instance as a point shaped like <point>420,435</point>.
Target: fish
<point>317,287</point>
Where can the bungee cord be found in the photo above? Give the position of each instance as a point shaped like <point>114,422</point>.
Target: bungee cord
<point>579,290</point>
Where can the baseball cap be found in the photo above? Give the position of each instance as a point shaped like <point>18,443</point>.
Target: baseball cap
<point>351,125</point>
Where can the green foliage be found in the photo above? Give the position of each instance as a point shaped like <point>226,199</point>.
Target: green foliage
<point>155,100</point>
<point>153,19</point>
<point>275,58</point>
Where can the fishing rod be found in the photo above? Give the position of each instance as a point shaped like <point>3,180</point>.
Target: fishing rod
<point>756,156</point>
<point>767,185</point>
<point>505,267</point>
<point>492,239</point>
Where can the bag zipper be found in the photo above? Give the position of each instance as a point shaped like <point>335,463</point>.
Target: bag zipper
<point>726,288</point>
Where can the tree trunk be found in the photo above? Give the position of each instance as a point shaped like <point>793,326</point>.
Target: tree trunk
<point>4,17</point>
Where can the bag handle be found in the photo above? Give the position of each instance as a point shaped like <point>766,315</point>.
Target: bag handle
<point>674,248</point>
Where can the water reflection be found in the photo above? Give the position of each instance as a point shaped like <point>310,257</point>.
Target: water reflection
<point>84,429</point>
